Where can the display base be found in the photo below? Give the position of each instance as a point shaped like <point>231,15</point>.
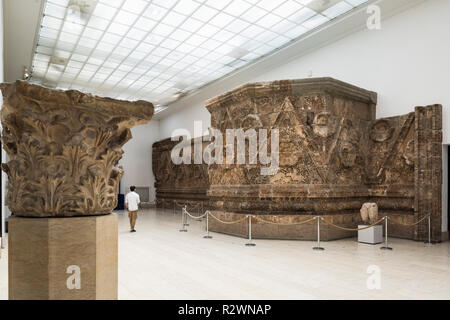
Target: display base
<point>70,258</point>
<point>372,235</point>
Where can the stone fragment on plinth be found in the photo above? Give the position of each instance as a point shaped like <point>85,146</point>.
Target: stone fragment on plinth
<point>73,258</point>
<point>64,147</point>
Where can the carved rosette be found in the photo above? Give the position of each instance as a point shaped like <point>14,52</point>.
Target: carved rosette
<point>64,147</point>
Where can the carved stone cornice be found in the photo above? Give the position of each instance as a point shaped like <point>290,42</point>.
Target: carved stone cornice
<point>64,147</point>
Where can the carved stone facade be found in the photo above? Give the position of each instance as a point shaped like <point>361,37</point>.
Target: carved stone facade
<point>178,184</point>
<point>334,156</point>
<point>64,147</point>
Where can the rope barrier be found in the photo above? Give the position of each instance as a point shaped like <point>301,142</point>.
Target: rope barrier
<point>228,222</point>
<point>194,217</point>
<point>412,224</point>
<point>352,229</point>
<point>284,224</point>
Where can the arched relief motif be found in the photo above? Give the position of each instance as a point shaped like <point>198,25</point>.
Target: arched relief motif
<point>381,130</point>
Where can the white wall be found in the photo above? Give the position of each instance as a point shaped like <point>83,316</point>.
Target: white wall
<point>406,62</point>
<point>137,159</point>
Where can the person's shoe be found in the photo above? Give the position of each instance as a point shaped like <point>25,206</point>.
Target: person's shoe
<point>133,230</point>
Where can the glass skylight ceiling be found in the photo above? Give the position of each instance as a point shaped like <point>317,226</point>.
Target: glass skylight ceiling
<point>158,50</point>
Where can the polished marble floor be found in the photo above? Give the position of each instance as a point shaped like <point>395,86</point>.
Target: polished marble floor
<point>159,262</point>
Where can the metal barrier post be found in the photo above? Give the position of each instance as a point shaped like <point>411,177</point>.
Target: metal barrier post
<point>250,243</point>
<point>429,242</point>
<point>318,235</point>
<point>386,247</point>
<point>183,224</point>
<point>207,236</point>
<point>185,216</point>
<point>174,208</point>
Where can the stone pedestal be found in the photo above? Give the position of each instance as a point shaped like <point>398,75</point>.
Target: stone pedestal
<point>373,235</point>
<point>49,258</point>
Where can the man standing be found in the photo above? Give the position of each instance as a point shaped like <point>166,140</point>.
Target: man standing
<point>131,203</point>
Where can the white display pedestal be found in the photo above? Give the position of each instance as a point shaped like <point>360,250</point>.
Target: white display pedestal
<point>372,235</point>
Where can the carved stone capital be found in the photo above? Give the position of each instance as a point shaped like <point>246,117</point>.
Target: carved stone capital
<point>64,147</point>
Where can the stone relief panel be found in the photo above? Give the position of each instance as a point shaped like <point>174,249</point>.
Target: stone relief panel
<point>334,154</point>
<point>180,183</point>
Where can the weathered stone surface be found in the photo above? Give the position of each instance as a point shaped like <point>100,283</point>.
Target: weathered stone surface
<point>178,184</point>
<point>63,148</point>
<point>44,253</point>
<point>334,156</point>
<point>369,212</point>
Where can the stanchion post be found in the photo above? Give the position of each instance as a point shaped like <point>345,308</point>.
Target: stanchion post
<point>207,236</point>
<point>386,247</point>
<point>185,216</point>
<point>250,243</point>
<point>183,224</point>
<point>429,242</point>
<point>318,247</point>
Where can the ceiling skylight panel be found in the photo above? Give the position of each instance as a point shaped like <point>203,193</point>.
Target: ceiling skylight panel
<point>105,47</point>
<point>51,22</point>
<point>208,30</point>
<point>336,10</point>
<point>283,26</point>
<point>315,21</point>
<point>170,44</point>
<point>237,26</point>
<point>48,33</point>
<point>217,4</point>
<point>54,10</point>
<point>269,20</point>
<point>221,20</point>
<point>98,23</point>
<point>287,8</point>
<point>136,34</point>
<point>254,14</point>
<point>88,43</point>
<point>204,13</point>
<point>302,15</point>
<point>186,7</point>
<point>237,7</point>
<point>145,24</point>
<point>269,5</point>
<point>104,11</point>
<point>356,3</point>
<point>174,19</point>
<point>112,3</point>
<point>111,38</point>
<point>135,6</point>
<point>125,18</point>
<point>295,32</point>
<point>163,30</point>
<point>92,33</point>
<point>155,12</point>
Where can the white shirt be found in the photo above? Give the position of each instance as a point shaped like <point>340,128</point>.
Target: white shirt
<point>132,199</point>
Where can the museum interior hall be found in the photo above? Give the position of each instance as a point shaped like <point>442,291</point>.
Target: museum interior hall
<point>224,150</point>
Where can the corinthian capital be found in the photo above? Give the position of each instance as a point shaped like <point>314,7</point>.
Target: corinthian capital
<point>64,147</point>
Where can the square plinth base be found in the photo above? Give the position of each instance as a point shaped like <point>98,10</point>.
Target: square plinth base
<point>372,235</point>
<point>72,258</point>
